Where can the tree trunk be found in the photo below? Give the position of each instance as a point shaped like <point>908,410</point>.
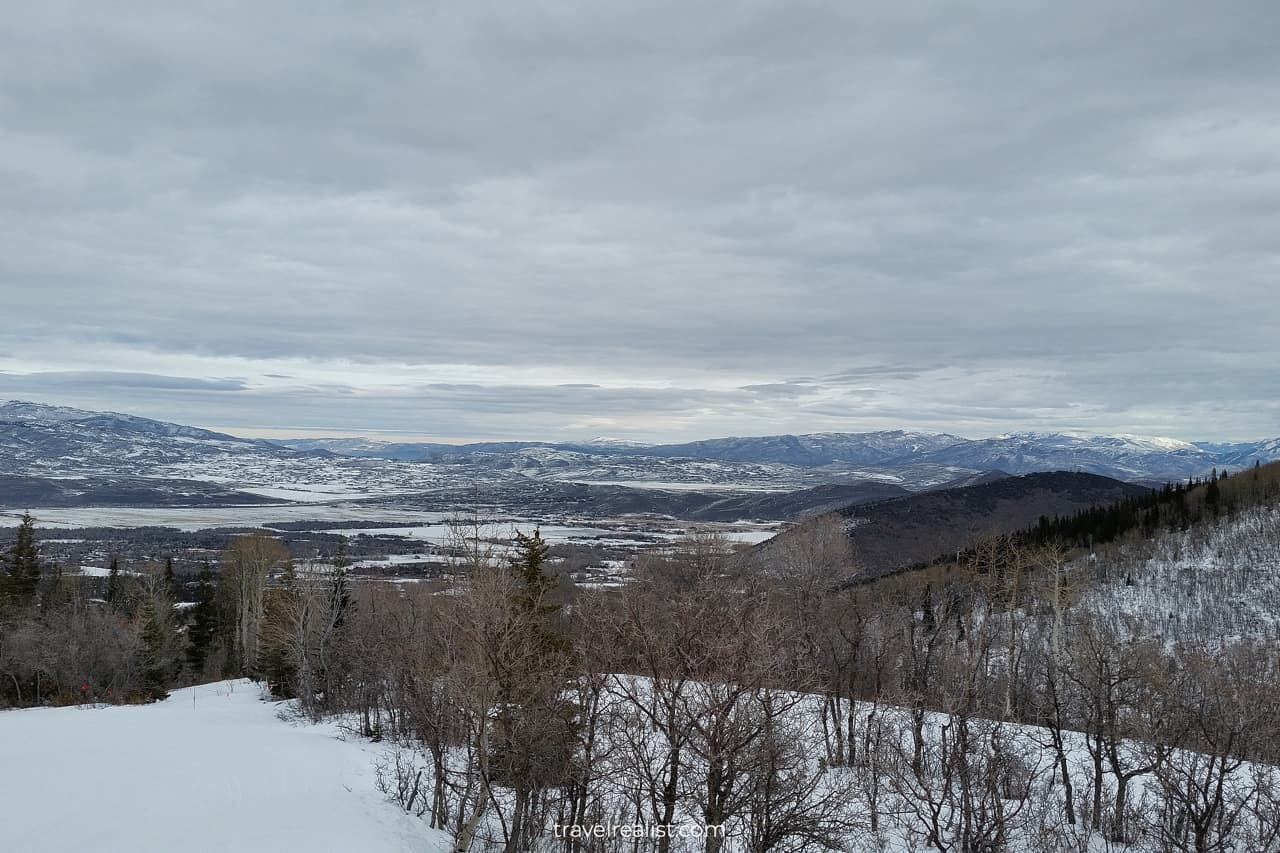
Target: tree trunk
<point>713,815</point>
<point>439,801</point>
<point>917,739</point>
<point>851,714</point>
<point>468,832</point>
<point>832,728</point>
<point>1116,832</point>
<point>1059,750</point>
<point>1068,793</point>
<point>669,796</point>
<point>1095,821</point>
<point>517,820</point>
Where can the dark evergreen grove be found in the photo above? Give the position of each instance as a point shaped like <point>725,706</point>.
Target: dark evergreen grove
<point>1172,507</point>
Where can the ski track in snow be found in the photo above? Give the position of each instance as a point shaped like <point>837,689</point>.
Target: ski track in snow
<point>212,768</point>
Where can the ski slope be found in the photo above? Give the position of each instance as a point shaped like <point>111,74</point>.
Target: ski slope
<point>212,768</point>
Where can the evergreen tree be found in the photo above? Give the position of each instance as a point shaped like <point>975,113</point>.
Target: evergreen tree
<point>204,621</point>
<point>1212,494</point>
<point>171,581</point>
<point>340,591</point>
<point>22,564</point>
<point>528,560</point>
<point>531,553</point>
<point>535,726</point>
<point>113,581</point>
<point>156,666</point>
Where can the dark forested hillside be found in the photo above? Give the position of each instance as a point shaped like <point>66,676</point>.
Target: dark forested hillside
<point>902,532</point>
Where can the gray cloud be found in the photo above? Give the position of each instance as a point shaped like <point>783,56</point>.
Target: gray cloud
<point>565,219</point>
<point>79,380</point>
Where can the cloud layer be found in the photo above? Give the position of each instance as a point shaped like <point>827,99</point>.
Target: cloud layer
<point>660,220</point>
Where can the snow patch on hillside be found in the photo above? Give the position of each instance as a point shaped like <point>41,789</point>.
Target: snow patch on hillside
<point>1218,583</point>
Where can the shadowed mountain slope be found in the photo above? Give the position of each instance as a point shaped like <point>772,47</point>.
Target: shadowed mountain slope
<point>895,534</point>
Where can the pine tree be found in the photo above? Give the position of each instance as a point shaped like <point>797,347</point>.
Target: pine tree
<point>113,581</point>
<point>531,553</point>
<point>340,591</point>
<point>1212,493</point>
<point>204,621</point>
<point>530,556</point>
<point>535,726</point>
<point>22,564</point>
<point>171,581</point>
<point>156,666</point>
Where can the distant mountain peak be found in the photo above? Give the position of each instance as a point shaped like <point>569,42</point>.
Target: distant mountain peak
<point>42,414</point>
<point>605,441</point>
<point>24,410</point>
<point>1156,442</point>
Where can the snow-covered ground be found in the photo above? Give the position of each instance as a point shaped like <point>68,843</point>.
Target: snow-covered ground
<point>674,486</point>
<point>1218,583</point>
<point>424,526</point>
<point>202,518</point>
<point>212,768</point>
<point>216,768</point>
<point>99,571</point>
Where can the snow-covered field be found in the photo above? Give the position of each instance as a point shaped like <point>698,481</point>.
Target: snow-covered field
<point>99,571</point>
<point>674,486</point>
<point>423,526</point>
<point>202,518</point>
<point>212,768</point>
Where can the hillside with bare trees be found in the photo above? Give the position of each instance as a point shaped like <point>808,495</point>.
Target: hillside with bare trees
<point>1029,695</point>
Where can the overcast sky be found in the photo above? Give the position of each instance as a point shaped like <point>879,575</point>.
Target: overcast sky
<point>653,221</point>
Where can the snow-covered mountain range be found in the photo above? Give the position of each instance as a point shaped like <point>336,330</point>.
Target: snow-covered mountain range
<point>874,454</point>
<point>59,456</point>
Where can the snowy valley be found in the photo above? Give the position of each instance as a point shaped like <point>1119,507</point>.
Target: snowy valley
<point>1063,662</point>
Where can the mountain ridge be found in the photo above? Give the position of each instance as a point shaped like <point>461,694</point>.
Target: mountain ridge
<point>129,455</point>
<point>891,535</point>
<point>1123,456</point>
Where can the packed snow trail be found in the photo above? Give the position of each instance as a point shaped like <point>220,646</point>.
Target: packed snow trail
<point>212,768</point>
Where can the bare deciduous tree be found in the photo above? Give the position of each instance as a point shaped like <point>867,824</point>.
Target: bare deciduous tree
<point>246,565</point>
